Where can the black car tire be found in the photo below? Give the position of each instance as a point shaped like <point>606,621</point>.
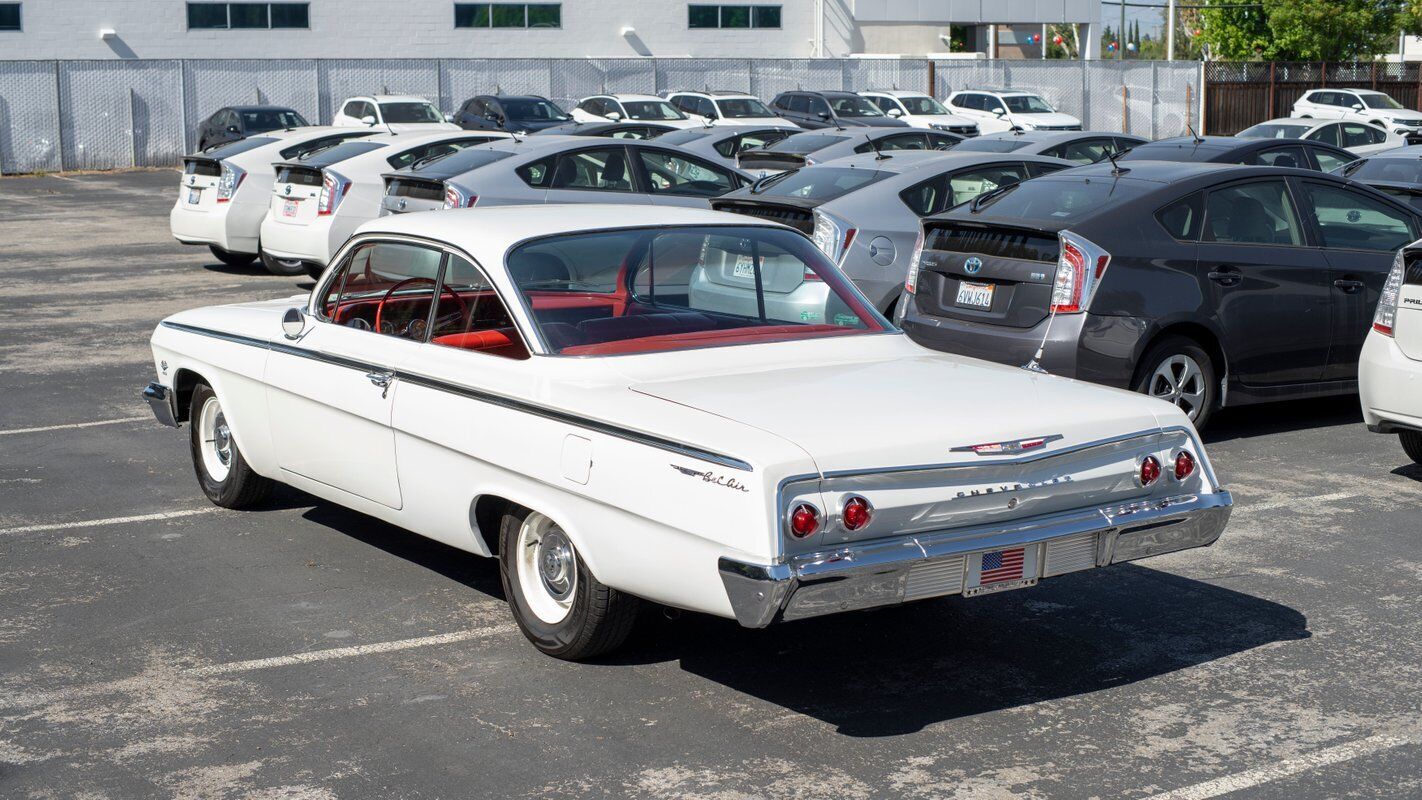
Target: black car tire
<point>237,486</point>
<point>1182,351</point>
<point>230,258</point>
<point>286,267</point>
<point>1412,445</point>
<point>597,618</point>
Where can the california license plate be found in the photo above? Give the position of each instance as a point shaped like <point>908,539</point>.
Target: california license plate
<point>744,267</point>
<point>194,196</point>
<point>1001,570</point>
<point>288,208</point>
<point>975,295</point>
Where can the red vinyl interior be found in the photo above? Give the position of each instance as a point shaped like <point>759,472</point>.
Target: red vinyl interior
<point>673,341</point>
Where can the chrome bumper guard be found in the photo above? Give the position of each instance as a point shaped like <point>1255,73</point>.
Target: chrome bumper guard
<point>160,399</point>
<point>936,563</point>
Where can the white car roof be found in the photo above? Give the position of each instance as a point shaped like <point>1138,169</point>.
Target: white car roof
<point>625,97</point>
<point>412,139</point>
<point>389,98</point>
<point>488,233</point>
<point>895,93</point>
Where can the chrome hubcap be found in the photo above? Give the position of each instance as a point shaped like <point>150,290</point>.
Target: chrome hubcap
<point>555,564</point>
<point>216,438</point>
<point>1180,380</point>
<point>547,568</point>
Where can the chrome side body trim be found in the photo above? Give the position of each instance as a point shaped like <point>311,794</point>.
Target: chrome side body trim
<point>877,573</point>
<point>503,401</point>
<point>160,398</point>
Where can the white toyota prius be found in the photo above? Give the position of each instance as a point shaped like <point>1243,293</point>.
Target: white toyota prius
<point>1390,369</point>
<point>541,384</point>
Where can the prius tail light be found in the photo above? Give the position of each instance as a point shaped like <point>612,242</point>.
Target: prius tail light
<point>832,236</point>
<point>455,197</point>
<point>333,190</point>
<point>1386,316</point>
<point>1079,270</point>
<point>228,182</point>
<point>911,281</point>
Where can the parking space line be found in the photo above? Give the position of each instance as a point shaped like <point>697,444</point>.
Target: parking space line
<point>1288,767</point>
<point>1293,501</point>
<point>71,425</point>
<point>94,523</point>
<point>347,652</point>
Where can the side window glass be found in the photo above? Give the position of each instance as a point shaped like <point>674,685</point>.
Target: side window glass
<point>602,170</point>
<point>1182,219</point>
<point>469,314</point>
<point>1350,219</point>
<point>669,173</point>
<point>1327,162</point>
<point>1282,157</point>
<point>1354,135</point>
<point>884,103</point>
<point>818,105</point>
<point>966,185</point>
<point>927,197</point>
<point>1087,151</point>
<point>1034,169</point>
<point>385,287</point>
<point>800,103</point>
<point>351,108</point>
<point>632,133</point>
<point>537,174</point>
<point>1252,213</point>
<point>1328,134</point>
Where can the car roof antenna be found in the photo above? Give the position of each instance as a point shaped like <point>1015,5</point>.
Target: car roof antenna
<point>1194,136</point>
<point>1116,169</point>
<point>878,154</point>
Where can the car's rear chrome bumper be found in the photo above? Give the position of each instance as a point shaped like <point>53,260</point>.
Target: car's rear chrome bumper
<point>937,563</point>
<point>160,399</point>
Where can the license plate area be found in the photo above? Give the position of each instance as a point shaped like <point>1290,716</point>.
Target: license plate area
<point>975,295</point>
<point>289,207</point>
<point>994,571</point>
<point>194,196</point>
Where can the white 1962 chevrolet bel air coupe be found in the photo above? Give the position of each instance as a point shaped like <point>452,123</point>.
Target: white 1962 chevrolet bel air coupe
<point>607,399</point>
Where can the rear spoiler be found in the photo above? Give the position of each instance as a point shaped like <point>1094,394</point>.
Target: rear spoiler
<point>768,158</point>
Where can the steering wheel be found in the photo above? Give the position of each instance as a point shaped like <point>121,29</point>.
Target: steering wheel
<point>380,307</point>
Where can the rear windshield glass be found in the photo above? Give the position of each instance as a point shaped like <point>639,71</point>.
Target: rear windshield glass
<point>340,152</point>
<point>1274,130</point>
<point>980,145</point>
<point>1390,170</point>
<point>819,183</point>
<point>410,112</point>
<point>652,290</point>
<point>270,119</point>
<point>684,136</point>
<point>465,160</point>
<point>1171,151</point>
<point>310,146</point>
<point>240,146</point>
<point>805,143</point>
<point>1063,199</point>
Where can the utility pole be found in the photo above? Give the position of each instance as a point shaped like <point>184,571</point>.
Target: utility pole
<point>1121,35</point>
<point>1170,32</point>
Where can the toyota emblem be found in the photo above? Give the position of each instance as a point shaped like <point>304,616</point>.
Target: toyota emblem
<point>972,265</point>
<point>287,190</point>
<point>402,204</point>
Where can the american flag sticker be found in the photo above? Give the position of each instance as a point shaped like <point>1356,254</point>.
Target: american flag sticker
<point>1010,568</point>
<point>1002,565</point>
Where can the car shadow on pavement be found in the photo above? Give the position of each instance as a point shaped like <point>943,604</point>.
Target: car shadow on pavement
<point>1243,422</point>
<point>1413,471</point>
<point>254,269</point>
<point>895,671</point>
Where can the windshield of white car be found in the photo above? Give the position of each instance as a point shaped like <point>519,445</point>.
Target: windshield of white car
<point>855,107</point>
<point>923,105</point>
<point>1026,104</point>
<point>1388,170</point>
<point>647,290</point>
<point>743,108</point>
<point>981,145</point>
<point>651,109</point>
<point>1274,130</point>
<point>1062,199</point>
<point>818,183</point>
<point>534,111</point>
<point>240,146</point>
<point>1379,101</point>
<point>410,112</point>
<point>802,143</point>
<point>270,119</point>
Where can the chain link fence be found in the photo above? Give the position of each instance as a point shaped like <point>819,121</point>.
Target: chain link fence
<point>58,115</point>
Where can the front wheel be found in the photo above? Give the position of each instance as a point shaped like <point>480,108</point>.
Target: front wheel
<point>230,258</point>
<point>558,604</point>
<point>285,267</point>
<point>1412,445</point>
<point>222,472</point>
<point>1179,371</point>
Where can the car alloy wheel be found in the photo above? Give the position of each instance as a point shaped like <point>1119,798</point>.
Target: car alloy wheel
<point>216,439</point>
<point>1179,380</point>
<point>547,568</point>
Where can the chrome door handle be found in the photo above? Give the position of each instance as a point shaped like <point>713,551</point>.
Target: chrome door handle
<point>1348,286</point>
<point>1225,276</point>
<point>381,379</point>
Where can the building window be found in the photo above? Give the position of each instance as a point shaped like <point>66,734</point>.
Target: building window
<point>733,16</point>
<point>9,16</point>
<point>508,15</point>
<point>248,16</point>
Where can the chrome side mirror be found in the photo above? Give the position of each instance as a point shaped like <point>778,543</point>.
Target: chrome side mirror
<point>293,323</point>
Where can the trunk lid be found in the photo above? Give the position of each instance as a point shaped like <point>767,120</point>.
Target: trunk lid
<point>770,161</point>
<point>1018,261</point>
<point>295,193</point>
<point>797,214</point>
<point>197,190</point>
<point>405,193</point>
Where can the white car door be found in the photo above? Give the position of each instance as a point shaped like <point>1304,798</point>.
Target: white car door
<point>330,393</point>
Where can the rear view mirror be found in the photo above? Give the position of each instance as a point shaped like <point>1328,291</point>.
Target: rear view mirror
<point>293,323</point>
<point>367,120</point>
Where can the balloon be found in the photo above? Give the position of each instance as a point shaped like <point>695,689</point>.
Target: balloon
<point>1057,39</point>
<point>1131,46</point>
<point>1036,37</point>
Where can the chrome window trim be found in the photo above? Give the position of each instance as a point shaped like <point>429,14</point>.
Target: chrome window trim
<point>503,401</point>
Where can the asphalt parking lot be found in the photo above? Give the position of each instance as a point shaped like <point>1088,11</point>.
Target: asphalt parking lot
<point>152,645</point>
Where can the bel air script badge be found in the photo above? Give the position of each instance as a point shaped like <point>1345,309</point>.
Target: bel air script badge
<point>708,477</point>
<point>1009,447</point>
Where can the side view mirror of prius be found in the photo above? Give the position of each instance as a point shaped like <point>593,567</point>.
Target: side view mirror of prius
<point>293,322</point>
<point>894,112</point>
<point>367,120</point>
<point>448,117</point>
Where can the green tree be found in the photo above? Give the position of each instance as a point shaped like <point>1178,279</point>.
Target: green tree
<point>1306,30</point>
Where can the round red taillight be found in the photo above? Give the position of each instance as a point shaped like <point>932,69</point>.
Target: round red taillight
<point>857,512</point>
<point>804,520</point>
<point>1184,465</point>
<point>1150,470</point>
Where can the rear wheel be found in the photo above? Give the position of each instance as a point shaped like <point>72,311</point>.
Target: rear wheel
<point>1412,445</point>
<point>558,604</point>
<point>222,472</point>
<point>285,267</point>
<point>1179,371</point>
<point>230,258</point>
